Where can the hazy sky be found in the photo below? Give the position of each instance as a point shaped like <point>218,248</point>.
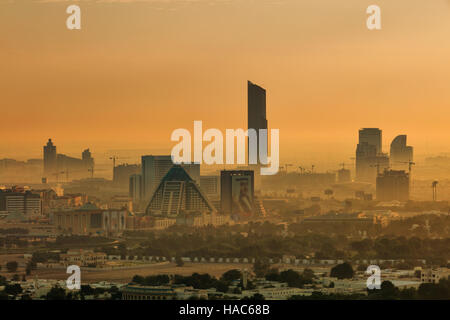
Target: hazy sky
<point>140,69</point>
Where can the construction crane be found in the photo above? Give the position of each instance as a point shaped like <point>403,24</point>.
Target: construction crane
<point>302,170</point>
<point>434,187</point>
<point>343,164</point>
<point>376,166</point>
<point>410,164</point>
<point>114,158</point>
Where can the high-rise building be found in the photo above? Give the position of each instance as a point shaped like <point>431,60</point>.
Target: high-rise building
<point>393,185</point>
<point>237,193</point>
<point>88,161</point>
<point>256,109</point>
<point>50,164</point>
<point>370,160</point>
<point>60,164</point>
<point>122,173</point>
<point>401,153</point>
<point>89,219</point>
<point>176,194</point>
<point>154,168</point>
<point>135,188</point>
<point>372,136</point>
<point>25,203</point>
<point>210,185</point>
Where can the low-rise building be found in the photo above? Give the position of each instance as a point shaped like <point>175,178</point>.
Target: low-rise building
<point>434,275</point>
<point>89,219</point>
<point>138,292</point>
<point>83,258</point>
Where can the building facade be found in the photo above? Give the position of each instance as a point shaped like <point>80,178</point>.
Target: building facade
<point>400,154</point>
<point>370,160</point>
<point>154,168</point>
<point>49,159</point>
<point>237,193</point>
<point>90,220</point>
<point>393,185</point>
<point>23,203</point>
<point>135,188</point>
<point>123,172</point>
<point>178,194</point>
<point>256,110</point>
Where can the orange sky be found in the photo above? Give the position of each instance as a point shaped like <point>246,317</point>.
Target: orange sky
<point>140,69</point>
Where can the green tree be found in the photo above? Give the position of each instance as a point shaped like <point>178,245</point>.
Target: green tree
<point>179,261</point>
<point>13,289</point>
<point>342,271</point>
<point>388,290</point>
<point>56,293</point>
<point>261,267</point>
<point>231,275</point>
<point>12,266</point>
<point>308,275</point>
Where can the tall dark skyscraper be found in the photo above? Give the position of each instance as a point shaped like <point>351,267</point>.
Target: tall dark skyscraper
<point>256,108</point>
<point>371,136</point>
<point>370,160</point>
<point>49,159</point>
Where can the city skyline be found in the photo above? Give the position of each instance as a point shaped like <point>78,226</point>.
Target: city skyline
<point>313,70</point>
<point>133,159</point>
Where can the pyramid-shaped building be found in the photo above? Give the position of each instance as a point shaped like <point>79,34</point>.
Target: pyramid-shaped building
<point>178,194</point>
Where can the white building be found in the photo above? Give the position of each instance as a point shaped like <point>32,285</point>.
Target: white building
<point>434,275</point>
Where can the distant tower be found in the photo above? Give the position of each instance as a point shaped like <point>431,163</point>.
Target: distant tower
<point>256,108</point>
<point>135,188</point>
<point>49,159</point>
<point>369,157</point>
<point>88,161</point>
<point>401,154</point>
<point>434,187</point>
<point>372,136</point>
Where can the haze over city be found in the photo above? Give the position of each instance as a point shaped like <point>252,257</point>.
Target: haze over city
<point>137,71</point>
<point>133,161</point>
